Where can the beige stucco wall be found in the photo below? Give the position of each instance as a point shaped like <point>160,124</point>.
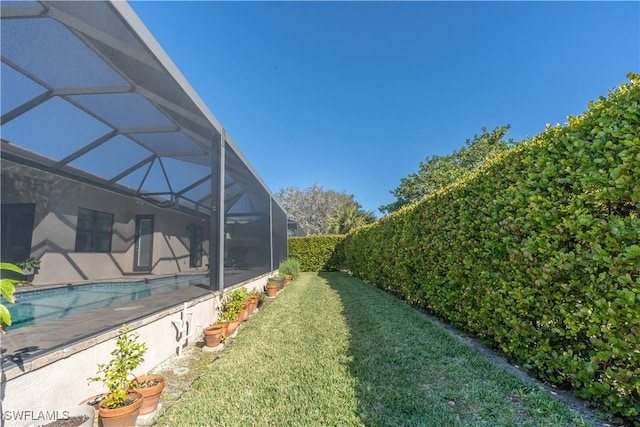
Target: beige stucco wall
<point>57,201</point>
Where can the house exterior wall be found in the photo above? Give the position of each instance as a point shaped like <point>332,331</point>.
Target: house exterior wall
<point>57,200</point>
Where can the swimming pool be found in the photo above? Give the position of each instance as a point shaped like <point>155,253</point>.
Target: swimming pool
<point>39,306</point>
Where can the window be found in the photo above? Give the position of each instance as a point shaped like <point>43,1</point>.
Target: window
<point>144,243</point>
<point>93,231</point>
<point>16,232</point>
<point>195,246</point>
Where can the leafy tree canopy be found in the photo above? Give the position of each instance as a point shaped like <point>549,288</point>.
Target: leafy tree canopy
<point>437,172</point>
<point>313,207</point>
<point>351,216</point>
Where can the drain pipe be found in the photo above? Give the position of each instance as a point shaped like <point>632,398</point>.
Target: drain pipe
<point>182,326</point>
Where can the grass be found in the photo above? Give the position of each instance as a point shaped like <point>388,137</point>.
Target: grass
<point>333,351</point>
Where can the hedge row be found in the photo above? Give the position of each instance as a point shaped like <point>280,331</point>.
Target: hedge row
<point>538,252</point>
<point>317,253</point>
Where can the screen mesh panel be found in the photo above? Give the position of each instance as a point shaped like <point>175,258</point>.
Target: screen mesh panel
<point>87,93</point>
<point>247,224</point>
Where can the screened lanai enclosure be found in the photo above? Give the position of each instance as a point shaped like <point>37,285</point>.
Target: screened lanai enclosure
<point>112,165</point>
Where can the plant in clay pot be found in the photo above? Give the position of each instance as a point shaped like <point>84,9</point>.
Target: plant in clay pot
<point>213,335</point>
<point>231,308</point>
<point>239,297</point>
<point>254,297</point>
<point>230,318</point>
<point>274,284</point>
<point>29,266</point>
<point>289,270</point>
<point>150,387</point>
<point>121,405</point>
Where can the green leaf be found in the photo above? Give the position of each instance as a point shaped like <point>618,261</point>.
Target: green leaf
<point>11,267</point>
<point>7,289</point>
<point>5,317</point>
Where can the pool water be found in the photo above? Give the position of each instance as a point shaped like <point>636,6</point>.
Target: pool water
<point>33,307</point>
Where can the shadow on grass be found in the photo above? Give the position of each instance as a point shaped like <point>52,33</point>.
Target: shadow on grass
<point>410,372</point>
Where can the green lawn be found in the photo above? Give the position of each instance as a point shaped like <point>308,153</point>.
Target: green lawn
<point>332,351</point>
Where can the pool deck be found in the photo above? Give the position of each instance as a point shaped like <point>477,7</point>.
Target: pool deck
<point>30,347</point>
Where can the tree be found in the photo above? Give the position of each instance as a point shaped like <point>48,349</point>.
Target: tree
<point>349,217</point>
<point>437,172</point>
<point>312,206</point>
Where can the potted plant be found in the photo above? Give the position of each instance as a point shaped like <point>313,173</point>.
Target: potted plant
<point>289,270</point>
<point>213,335</point>
<point>231,307</point>
<point>29,266</point>
<point>240,297</point>
<point>253,301</point>
<point>273,286</point>
<point>121,405</point>
<point>7,289</point>
<point>274,283</point>
<point>222,320</point>
<point>150,387</point>
<point>229,321</point>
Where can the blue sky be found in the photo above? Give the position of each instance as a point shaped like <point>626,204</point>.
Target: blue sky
<point>353,95</point>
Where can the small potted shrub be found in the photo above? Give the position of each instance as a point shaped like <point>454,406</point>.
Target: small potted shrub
<point>254,297</point>
<point>240,297</point>
<point>273,286</point>
<point>29,266</point>
<point>150,386</point>
<point>213,335</point>
<point>289,270</point>
<point>231,308</point>
<point>229,321</point>
<point>121,406</point>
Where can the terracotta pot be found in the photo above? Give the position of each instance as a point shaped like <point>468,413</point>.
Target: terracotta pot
<point>277,280</point>
<point>253,303</point>
<point>245,313</point>
<point>233,325</point>
<point>272,289</point>
<point>213,335</point>
<point>225,328</point>
<point>125,416</point>
<point>288,278</point>
<point>151,394</point>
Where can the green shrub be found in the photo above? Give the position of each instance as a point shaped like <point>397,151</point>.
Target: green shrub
<point>317,253</point>
<point>538,252</point>
<point>289,266</point>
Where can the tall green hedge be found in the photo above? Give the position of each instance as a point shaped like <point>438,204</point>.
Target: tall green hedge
<point>538,252</point>
<point>318,253</point>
